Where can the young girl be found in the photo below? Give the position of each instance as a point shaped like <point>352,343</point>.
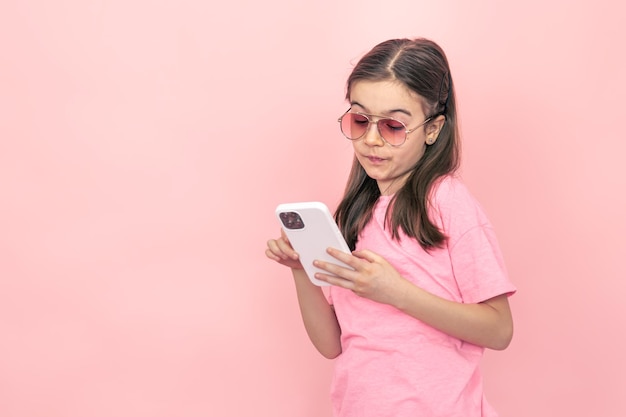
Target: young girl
<point>429,290</point>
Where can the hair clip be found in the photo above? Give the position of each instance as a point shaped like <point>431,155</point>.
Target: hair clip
<point>441,90</point>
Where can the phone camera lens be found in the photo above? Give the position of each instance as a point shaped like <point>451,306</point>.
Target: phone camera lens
<point>292,220</point>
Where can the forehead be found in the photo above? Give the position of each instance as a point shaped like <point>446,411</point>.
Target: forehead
<point>384,97</point>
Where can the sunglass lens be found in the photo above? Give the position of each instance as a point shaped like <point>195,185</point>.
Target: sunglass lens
<point>392,130</point>
<point>354,125</point>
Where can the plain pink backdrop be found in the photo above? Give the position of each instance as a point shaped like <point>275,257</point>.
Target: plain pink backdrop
<point>145,144</point>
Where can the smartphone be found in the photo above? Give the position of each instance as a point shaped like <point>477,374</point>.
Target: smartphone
<point>311,229</point>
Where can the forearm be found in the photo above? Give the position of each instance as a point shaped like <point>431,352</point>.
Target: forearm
<point>488,324</point>
<point>318,316</point>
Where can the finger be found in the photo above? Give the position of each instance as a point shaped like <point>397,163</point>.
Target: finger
<point>346,258</point>
<point>279,250</point>
<point>272,256</point>
<point>334,269</point>
<point>367,255</point>
<point>285,248</point>
<point>273,251</point>
<point>335,280</point>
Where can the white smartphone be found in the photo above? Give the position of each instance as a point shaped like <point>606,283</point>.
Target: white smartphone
<point>311,229</point>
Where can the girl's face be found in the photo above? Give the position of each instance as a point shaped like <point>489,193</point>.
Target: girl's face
<point>390,166</point>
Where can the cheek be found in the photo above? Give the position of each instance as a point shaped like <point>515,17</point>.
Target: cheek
<point>413,155</point>
<point>360,158</point>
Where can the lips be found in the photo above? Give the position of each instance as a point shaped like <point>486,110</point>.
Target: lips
<point>375,159</point>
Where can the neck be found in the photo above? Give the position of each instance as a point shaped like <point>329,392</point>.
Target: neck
<point>393,186</point>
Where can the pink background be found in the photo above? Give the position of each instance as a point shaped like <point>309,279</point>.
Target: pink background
<point>145,144</point>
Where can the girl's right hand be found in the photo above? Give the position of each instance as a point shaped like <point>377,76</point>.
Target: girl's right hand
<point>281,251</point>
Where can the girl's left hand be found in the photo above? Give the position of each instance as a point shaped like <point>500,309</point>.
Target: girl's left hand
<point>373,277</point>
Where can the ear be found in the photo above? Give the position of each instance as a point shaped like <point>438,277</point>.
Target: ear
<point>433,128</point>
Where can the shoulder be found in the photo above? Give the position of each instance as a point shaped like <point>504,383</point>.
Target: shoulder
<point>452,203</point>
<point>450,190</point>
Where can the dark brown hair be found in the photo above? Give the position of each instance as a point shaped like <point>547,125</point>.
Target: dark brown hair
<point>422,67</point>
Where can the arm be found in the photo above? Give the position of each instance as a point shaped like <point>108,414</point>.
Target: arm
<point>488,324</point>
<point>318,316</point>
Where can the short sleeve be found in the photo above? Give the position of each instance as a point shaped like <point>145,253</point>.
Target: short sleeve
<point>478,266</point>
<point>475,255</point>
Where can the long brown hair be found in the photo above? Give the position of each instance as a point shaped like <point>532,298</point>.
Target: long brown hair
<point>421,66</point>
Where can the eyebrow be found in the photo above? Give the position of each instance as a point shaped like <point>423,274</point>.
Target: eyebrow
<point>388,112</point>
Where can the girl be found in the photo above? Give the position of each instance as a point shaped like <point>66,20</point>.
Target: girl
<point>429,290</point>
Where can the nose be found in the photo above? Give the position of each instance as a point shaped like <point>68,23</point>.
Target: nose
<point>372,137</point>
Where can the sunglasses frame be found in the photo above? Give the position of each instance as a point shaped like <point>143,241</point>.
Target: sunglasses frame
<point>369,118</point>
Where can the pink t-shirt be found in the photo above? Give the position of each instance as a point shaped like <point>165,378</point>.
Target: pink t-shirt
<point>394,365</point>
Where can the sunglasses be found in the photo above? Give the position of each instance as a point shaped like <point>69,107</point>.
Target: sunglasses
<point>355,125</point>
